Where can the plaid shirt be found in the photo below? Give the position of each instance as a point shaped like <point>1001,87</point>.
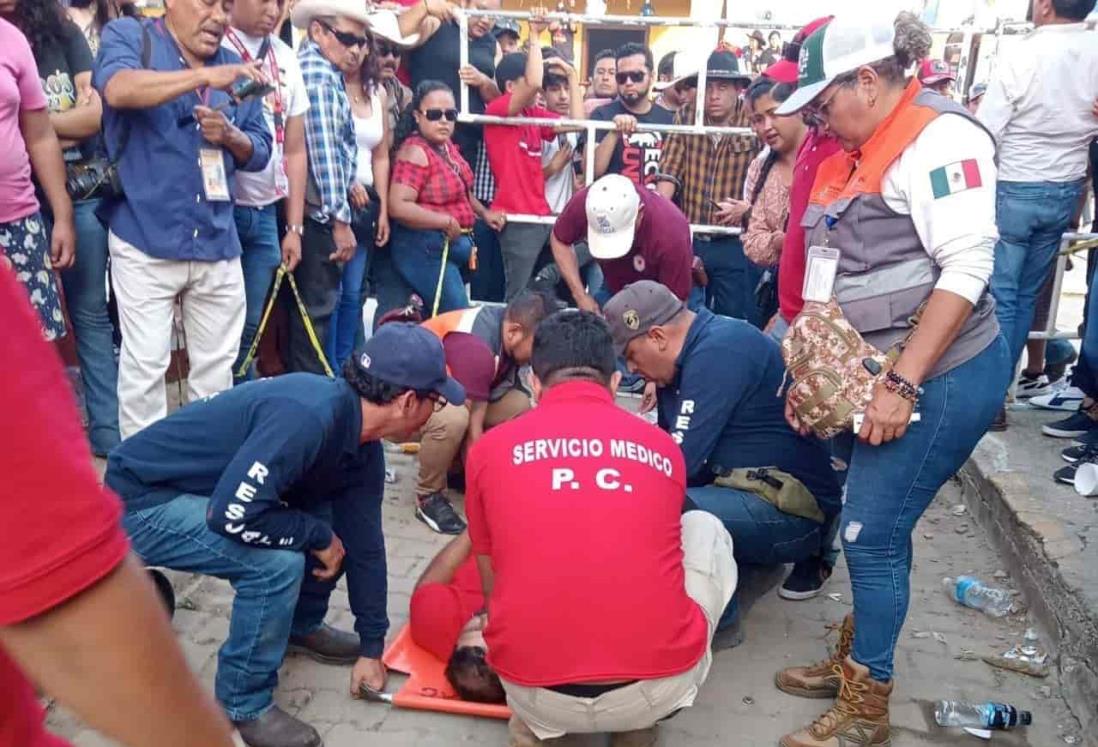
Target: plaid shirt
<point>441,186</point>
<point>706,170</point>
<point>484,181</point>
<point>329,137</point>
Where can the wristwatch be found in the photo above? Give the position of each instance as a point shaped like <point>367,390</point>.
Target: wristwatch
<point>295,228</point>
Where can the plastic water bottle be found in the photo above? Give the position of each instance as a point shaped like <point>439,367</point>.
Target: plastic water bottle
<point>971,592</point>
<point>980,715</point>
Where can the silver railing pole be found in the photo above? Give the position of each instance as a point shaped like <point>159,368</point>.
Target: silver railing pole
<point>589,156</point>
<point>463,57</point>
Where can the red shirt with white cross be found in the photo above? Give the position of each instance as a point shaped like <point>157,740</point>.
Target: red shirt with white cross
<point>577,504</point>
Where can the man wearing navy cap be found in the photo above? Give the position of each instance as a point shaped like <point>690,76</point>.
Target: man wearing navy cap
<point>272,486</point>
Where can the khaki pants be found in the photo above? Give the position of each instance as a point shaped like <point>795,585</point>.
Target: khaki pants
<point>443,434</point>
<point>212,298</point>
<point>710,581</point>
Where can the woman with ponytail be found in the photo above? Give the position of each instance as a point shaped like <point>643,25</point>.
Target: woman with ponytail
<point>910,209</point>
<point>431,205</point>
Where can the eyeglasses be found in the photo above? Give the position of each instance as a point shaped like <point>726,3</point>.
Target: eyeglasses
<point>346,38</point>
<point>385,49</point>
<point>822,111</point>
<point>636,76</point>
<point>434,115</point>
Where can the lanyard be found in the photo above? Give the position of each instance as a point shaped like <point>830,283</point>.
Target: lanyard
<point>265,51</point>
<point>202,93</point>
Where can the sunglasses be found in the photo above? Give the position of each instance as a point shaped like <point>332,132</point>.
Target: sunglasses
<point>635,76</point>
<point>385,49</point>
<point>434,115</point>
<point>345,38</point>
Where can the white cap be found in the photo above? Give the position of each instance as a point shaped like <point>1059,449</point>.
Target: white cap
<point>683,65</point>
<point>842,46</point>
<point>612,205</point>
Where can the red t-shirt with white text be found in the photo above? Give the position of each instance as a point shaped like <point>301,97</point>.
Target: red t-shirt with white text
<point>578,505</point>
<point>514,153</point>
<point>62,529</point>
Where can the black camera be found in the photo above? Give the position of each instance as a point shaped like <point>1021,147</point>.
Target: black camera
<point>96,177</point>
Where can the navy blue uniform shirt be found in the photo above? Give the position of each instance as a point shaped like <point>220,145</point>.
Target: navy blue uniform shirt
<point>268,453</point>
<point>165,212</point>
<point>725,409</point>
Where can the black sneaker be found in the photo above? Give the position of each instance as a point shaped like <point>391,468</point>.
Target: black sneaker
<point>1066,475</point>
<point>1083,453</point>
<point>1074,426</point>
<point>805,580</point>
<point>435,511</point>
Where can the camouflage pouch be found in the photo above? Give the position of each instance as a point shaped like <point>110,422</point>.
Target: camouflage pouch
<point>780,489</point>
<point>834,370</point>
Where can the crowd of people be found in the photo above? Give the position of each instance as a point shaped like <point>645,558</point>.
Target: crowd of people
<point>809,374</point>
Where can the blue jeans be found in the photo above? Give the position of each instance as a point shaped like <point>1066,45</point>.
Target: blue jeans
<point>271,600</point>
<point>1032,217</point>
<point>888,488</point>
<point>417,256</point>
<point>258,230</point>
<point>85,286</point>
<point>732,278</point>
<point>346,332</point>
<point>487,283</point>
<point>761,534</point>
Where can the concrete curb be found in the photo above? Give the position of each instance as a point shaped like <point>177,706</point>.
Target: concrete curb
<point>1032,541</point>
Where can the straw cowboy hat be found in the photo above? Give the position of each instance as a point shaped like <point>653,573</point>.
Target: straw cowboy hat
<point>381,23</point>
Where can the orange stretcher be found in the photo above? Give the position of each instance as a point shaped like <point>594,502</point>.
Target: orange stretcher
<point>427,688</point>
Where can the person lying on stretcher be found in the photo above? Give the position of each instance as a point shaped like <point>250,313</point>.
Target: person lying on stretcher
<point>447,618</point>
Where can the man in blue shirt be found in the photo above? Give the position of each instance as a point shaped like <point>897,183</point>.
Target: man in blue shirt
<point>719,395</point>
<point>178,137</point>
<point>269,485</point>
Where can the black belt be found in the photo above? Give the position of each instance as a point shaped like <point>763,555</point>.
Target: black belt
<point>588,690</point>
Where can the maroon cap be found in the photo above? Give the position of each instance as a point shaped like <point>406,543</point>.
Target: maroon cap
<point>935,71</point>
<point>786,69</point>
<point>471,362</point>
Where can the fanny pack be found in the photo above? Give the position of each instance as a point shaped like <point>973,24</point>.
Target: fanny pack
<point>834,370</point>
<point>780,489</point>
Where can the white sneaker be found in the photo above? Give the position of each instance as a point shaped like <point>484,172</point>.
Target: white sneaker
<point>1031,386</point>
<point>1068,398</point>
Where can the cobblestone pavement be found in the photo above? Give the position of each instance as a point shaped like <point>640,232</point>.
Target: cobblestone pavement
<point>738,706</point>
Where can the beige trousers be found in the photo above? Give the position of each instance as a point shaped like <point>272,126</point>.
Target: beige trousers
<point>212,297</point>
<point>441,438</point>
<point>710,581</point>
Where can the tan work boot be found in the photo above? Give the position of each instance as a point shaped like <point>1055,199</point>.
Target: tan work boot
<point>859,717</point>
<point>636,738</point>
<point>819,680</point>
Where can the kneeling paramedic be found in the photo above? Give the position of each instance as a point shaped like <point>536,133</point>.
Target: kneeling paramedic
<point>719,383</point>
<point>602,595</point>
<point>271,486</point>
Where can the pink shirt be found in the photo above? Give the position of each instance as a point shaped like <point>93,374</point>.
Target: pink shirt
<point>20,91</point>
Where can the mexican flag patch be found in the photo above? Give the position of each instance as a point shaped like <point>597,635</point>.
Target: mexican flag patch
<point>955,177</point>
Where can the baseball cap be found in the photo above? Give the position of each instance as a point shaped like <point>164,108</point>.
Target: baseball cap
<point>977,91</point>
<point>410,357</point>
<point>844,45</point>
<point>685,65</point>
<point>785,69</point>
<point>506,26</point>
<point>612,204</point>
<point>934,71</point>
<point>637,308</point>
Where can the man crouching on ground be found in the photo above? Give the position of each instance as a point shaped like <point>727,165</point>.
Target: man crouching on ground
<point>262,485</point>
<point>580,502</point>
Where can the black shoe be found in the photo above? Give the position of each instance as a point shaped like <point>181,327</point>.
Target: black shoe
<point>327,645</point>
<point>276,728</point>
<point>805,580</point>
<point>435,511</point>
<point>1082,453</point>
<point>1066,475</point>
<point>1074,426</point>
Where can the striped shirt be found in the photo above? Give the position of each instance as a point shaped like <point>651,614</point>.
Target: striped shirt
<point>707,168</point>
<point>329,137</point>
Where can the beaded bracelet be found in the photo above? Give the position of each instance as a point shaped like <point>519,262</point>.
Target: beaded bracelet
<point>899,385</point>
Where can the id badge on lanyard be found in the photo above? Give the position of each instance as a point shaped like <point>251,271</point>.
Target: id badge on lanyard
<point>821,267</point>
<point>267,54</point>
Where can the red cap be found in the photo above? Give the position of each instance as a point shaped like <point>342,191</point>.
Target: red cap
<point>934,71</point>
<point>786,69</point>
